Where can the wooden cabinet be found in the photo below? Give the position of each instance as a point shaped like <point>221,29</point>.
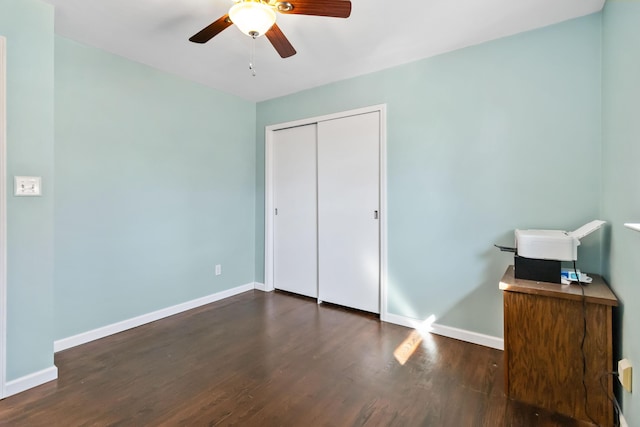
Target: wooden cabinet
<point>557,337</point>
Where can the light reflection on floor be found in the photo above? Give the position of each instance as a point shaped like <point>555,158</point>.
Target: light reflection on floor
<point>407,347</point>
<point>417,336</point>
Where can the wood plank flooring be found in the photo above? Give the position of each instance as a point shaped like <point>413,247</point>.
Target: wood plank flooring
<point>273,359</point>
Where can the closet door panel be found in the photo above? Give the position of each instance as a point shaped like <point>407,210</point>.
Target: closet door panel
<point>295,219</point>
<point>348,206</point>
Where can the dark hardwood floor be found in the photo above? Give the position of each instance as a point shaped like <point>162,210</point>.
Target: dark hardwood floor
<point>273,359</point>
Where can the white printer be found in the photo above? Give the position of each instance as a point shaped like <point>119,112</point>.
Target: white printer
<point>539,253</point>
<point>553,244</point>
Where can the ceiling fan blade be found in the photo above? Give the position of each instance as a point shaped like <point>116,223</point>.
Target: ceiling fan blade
<point>211,30</point>
<point>332,8</point>
<point>280,42</point>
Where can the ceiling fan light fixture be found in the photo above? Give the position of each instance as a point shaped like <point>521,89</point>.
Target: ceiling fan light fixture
<point>253,18</point>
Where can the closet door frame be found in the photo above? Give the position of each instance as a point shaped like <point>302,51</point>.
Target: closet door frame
<point>269,196</point>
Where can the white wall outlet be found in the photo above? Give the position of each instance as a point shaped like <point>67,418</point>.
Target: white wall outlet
<point>27,185</point>
<point>218,269</point>
<point>624,374</point>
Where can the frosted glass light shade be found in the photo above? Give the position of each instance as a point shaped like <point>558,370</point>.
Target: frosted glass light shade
<point>252,18</point>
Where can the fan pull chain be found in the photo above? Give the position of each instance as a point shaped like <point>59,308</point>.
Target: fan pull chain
<point>252,54</point>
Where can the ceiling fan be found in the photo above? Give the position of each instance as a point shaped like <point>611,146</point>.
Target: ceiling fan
<point>258,17</point>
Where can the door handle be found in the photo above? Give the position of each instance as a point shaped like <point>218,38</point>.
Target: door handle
<point>375,214</point>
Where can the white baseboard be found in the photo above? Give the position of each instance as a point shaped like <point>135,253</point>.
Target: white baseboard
<point>468,336</point>
<point>85,337</point>
<point>446,331</point>
<point>29,381</point>
<point>402,320</point>
<point>260,286</point>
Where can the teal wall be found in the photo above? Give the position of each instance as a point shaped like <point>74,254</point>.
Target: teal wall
<point>159,179</point>
<point>155,184</point>
<point>621,171</point>
<point>28,28</point>
<point>482,140</point>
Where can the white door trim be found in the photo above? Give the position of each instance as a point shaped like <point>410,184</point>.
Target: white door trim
<point>3,219</point>
<point>268,185</point>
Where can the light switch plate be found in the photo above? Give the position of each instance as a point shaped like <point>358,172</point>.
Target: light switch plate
<point>28,185</point>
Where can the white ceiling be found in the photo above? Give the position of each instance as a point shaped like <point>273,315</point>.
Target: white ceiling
<point>378,35</point>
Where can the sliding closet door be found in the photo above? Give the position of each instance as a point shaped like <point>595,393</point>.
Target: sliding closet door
<point>295,252</point>
<point>348,207</point>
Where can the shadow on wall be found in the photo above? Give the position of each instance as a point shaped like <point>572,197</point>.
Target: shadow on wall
<point>481,309</point>
<point>618,312</point>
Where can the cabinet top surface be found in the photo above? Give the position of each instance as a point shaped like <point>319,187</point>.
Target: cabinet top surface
<point>597,292</point>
